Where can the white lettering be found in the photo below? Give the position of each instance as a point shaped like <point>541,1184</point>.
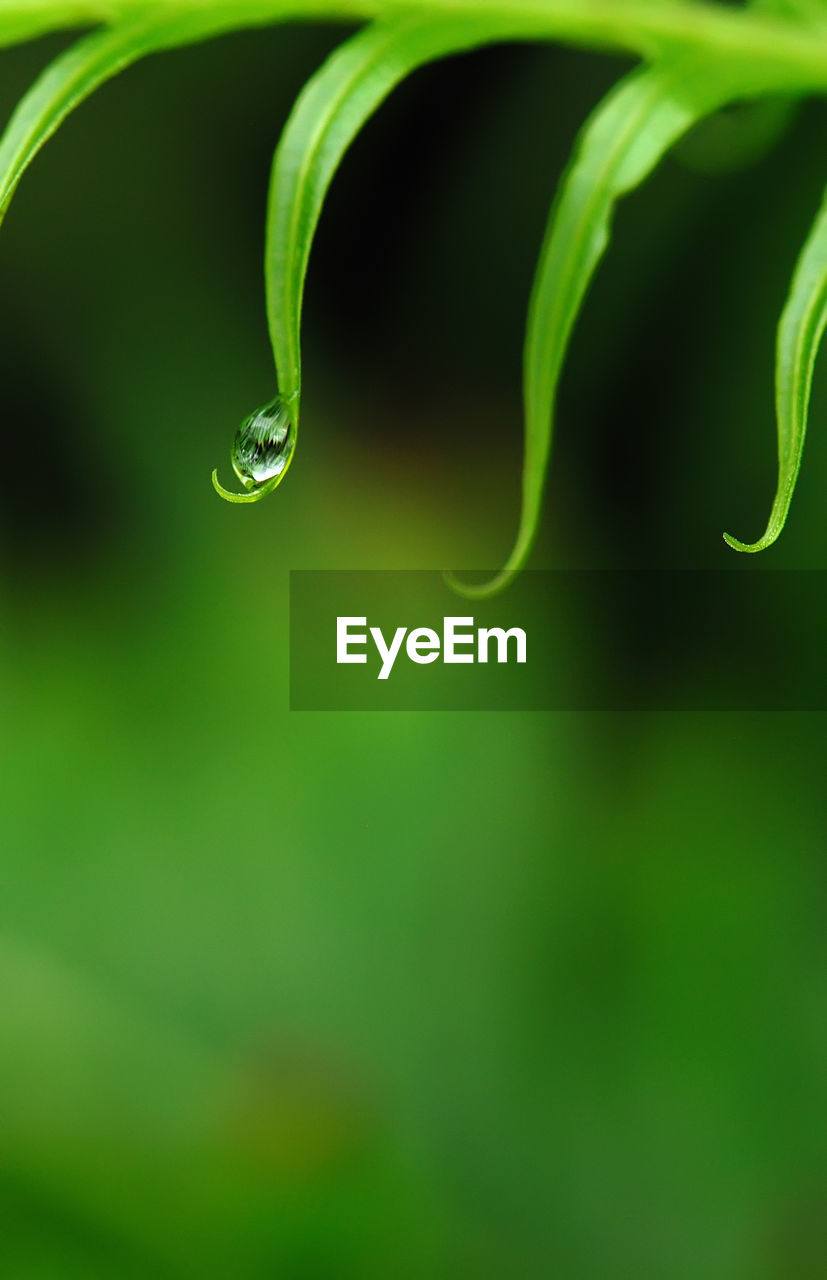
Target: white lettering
<point>424,649</point>
<point>388,655</point>
<point>502,637</point>
<point>424,644</point>
<point>453,638</point>
<point>344,640</point>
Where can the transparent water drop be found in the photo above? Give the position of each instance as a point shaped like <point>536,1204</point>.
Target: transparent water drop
<point>264,444</point>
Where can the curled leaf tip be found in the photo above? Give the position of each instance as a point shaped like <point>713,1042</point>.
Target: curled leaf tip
<point>737,545</point>
<point>262,451</point>
<point>253,495</point>
<point>623,141</point>
<point>800,331</point>
<point>761,544</point>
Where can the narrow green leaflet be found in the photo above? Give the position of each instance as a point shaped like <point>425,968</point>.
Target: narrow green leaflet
<point>328,115</point>
<point>799,334</point>
<point>620,145</point>
<point>61,87</point>
<point>76,74</point>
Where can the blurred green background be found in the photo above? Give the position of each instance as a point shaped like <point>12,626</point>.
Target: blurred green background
<point>373,995</point>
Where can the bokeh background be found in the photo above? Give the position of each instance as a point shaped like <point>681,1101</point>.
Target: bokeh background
<point>371,995</point>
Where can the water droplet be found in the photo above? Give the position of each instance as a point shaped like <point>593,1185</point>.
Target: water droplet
<point>264,444</point>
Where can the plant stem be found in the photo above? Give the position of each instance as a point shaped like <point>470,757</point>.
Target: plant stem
<point>769,53</point>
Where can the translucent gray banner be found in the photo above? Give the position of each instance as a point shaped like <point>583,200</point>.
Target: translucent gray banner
<point>575,641</point>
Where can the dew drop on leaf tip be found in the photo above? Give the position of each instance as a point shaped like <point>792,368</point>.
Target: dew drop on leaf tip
<point>264,444</point>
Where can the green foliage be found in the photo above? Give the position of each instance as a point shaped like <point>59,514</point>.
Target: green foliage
<point>619,147</point>
<point>702,56</point>
<point>62,87</point>
<point>328,115</point>
<point>799,335</point>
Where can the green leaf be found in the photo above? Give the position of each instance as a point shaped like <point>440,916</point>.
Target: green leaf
<point>799,334</point>
<point>620,145</point>
<point>625,139</point>
<point>88,64</point>
<point>61,87</point>
<point>328,115</point>
<point>76,74</point>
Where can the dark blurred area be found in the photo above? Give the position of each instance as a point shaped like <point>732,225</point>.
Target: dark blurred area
<point>392,994</point>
